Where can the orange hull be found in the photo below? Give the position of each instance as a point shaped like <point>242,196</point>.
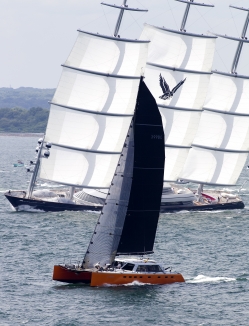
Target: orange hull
<point>102,278</point>
<point>62,274</point>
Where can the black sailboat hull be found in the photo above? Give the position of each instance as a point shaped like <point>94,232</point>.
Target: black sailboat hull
<point>205,207</point>
<point>46,206</point>
<point>24,203</point>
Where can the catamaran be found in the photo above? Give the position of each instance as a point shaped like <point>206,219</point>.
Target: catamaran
<point>128,221</point>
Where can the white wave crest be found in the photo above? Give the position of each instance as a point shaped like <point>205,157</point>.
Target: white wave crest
<point>134,283</point>
<point>27,208</point>
<point>209,279</point>
<point>51,185</point>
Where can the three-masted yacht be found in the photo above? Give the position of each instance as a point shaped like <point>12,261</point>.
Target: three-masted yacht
<point>221,146</point>
<point>90,114</point>
<point>128,221</point>
<point>182,57</point>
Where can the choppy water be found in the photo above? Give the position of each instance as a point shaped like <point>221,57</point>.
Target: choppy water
<point>211,250</point>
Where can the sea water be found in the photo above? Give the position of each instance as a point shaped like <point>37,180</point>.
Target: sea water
<point>210,249</point>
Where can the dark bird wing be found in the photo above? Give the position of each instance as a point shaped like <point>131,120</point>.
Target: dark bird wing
<point>163,84</point>
<point>178,85</point>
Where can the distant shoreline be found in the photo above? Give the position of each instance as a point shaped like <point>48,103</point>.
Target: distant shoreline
<point>21,134</point>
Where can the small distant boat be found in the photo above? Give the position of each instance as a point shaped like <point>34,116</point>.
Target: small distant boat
<point>18,164</point>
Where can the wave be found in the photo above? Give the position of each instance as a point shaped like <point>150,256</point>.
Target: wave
<point>134,283</point>
<point>27,208</point>
<point>50,185</point>
<point>209,279</point>
<point>179,212</point>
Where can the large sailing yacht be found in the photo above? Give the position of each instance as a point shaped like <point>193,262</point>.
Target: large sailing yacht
<point>179,56</point>
<point>221,146</point>
<point>87,132</point>
<point>90,114</point>
<point>128,221</point>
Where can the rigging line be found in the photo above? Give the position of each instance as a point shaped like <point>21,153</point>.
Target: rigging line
<point>221,58</point>
<point>93,20</point>
<point>233,19</point>
<point>170,9</point>
<point>141,4</point>
<point>135,21</point>
<point>202,16</point>
<point>103,9</point>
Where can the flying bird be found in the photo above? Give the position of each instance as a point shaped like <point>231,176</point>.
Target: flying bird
<point>167,93</point>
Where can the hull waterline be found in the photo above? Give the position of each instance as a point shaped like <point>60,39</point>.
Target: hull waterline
<point>47,206</point>
<point>67,275</point>
<point>106,278</point>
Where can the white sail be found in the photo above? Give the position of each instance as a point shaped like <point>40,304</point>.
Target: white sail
<point>221,145</point>
<point>177,55</point>
<point>92,109</point>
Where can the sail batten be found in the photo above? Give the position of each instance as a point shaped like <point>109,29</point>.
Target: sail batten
<point>120,39</point>
<point>100,73</point>
<point>93,112</point>
<point>179,69</point>
<point>84,149</point>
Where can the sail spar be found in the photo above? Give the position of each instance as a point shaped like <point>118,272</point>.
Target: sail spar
<point>179,56</point>
<point>92,109</point>
<point>128,221</point>
<point>221,146</point>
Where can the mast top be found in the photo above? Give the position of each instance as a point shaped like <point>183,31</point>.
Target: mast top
<point>185,16</point>
<point>243,39</point>
<point>122,8</point>
<point>191,2</point>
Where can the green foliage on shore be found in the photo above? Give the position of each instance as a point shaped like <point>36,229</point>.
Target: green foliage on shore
<point>22,120</point>
<point>25,97</point>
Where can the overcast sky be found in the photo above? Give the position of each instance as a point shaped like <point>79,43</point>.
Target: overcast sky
<point>36,36</point>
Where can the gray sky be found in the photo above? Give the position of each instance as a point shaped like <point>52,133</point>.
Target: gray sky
<point>36,36</point>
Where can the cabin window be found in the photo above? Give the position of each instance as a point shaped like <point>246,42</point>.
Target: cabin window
<point>128,267</point>
<point>149,268</point>
<point>118,264</point>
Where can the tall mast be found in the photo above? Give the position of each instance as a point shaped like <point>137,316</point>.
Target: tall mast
<point>221,145</point>
<point>185,16</point>
<point>88,131</point>
<point>42,152</point>
<point>240,45</point>
<point>123,7</point>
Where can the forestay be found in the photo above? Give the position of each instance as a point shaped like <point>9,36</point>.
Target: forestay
<point>178,55</point>
<point>92,109</point>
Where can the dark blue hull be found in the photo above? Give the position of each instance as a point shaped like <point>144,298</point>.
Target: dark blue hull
<point>46,206</point>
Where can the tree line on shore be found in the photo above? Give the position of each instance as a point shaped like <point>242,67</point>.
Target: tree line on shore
<point>24,109</point>
<point>23,120</point>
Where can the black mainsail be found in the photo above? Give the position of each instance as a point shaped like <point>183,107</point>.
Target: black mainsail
<point>128,221</point>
